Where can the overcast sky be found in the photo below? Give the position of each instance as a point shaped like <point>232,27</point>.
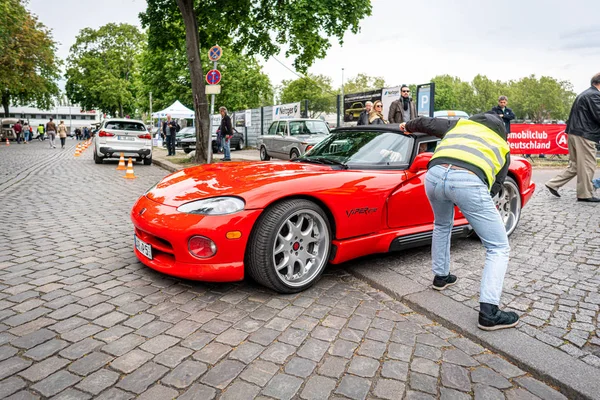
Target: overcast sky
<point>413,41</point>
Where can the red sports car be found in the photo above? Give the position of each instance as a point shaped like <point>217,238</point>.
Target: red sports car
<point>360,191</point>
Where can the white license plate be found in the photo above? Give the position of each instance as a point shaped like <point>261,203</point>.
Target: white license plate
<point>125,138</point>
<point>143,247</point>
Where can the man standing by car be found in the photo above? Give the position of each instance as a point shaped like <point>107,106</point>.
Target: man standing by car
<point>18,128</point>
<point>170,129</point>
<point>583,132</point>
<point>467,169</point>
<point>363,119</point>
<point>226,132</point>
<point>504,112</point>
<point>402,110</point>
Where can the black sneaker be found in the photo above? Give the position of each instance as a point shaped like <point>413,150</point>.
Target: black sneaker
<point>442,282</point>
<point>491,318</point>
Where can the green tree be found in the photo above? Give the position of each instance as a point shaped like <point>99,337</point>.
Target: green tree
<point>451,93</point>
<point>486,93</point>
<point>258,27</point>
<point>314,88</point>
<point>363,83</point>
<point>542,99</point>
<point>29,69</point>
<point>102,67</point>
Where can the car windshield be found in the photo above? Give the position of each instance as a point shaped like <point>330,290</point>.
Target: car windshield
<point>364,149</point>
<point>125,126</point>
<point>308,128</point>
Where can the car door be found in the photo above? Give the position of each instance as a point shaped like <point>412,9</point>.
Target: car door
<point>280,140</point>
<point>267,140</point>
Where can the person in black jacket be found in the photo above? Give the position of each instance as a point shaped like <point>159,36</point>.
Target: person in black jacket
<point>226,133</point>
<point>504,112</point>
<point>363,119</point>
<point>170,129</point>
<point>467,169</point>
<point>583,130</point>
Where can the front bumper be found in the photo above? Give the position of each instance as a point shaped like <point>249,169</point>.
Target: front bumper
<point>168,232</point>
<point>109,151</point>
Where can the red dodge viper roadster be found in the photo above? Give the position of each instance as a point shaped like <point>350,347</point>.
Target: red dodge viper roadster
<point>360,191</point>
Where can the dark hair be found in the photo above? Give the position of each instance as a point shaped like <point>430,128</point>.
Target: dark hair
<point>596,79</point>
<point>404,86</point>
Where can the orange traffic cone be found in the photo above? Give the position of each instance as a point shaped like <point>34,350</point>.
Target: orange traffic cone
<point>121,166</point>
<point>129,174</point>
<point>7,142</point>
<point>77,151</point>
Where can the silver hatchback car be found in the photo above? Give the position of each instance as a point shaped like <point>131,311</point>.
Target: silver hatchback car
<point>288,139</point>
<point>127,136</point>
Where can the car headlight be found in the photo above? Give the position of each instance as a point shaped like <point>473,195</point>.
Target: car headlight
<point>213,206</point>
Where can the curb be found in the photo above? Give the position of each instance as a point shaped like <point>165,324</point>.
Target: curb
<point>164,165</point>
<point>572,377</point>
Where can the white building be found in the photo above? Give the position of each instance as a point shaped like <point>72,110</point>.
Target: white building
<point>71,114</point>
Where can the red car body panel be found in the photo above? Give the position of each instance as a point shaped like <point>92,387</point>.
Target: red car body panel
<point>368,209</point>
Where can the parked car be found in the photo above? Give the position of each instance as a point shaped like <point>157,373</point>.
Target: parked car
<point>7,130</point>
<point>451,114</point>
<point>184,133</point>
<point>237,142</point>
<point>128,136</point>
<point>360,191</point>
<point>289,139</point>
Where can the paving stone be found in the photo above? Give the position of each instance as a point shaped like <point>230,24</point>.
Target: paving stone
<point>313,349</point>
<point>317,388</point>
<point>7,352</point>
<point>241,391</point>
<point>519,394</point>
<point>343,348</point>
<point>98,381</point>
<point>395,370</point>
<point>293,336</point>
<point>41,370</point>
<point>198,392</point>
<point>324,333</point>
<point>12,365</point>
<point>352,335</point>
<point>279,352</point>
<point>185,374</point>
<point>139,320</point>
<point>499,365</point>
<point>424,366</point>
<point>111,319</point>
<point>56,383</point>
<point>114,333</point>
<point>223,373</point>
<point>72,394</point>
<point>423,383</point>
<point>33,339</point>
<point>140,379</point>
<point>333,367</point>
<point>158,392</point>
<point>363,366</point>
<point>10,386</point>
<point>282,387</point>
<point>183,329</point>
<point>198,340</point>
<point>264,336</point>
<point>259,372</point>
<point>173,356</point>
<point>131,361</point>
<point>399,352</point>
<point>388,389</point>
<point>455,377</point>
<point>90,363</point>
<point>45,350</point>
<point>153,329</point>
<point>483,392</point>
<point>81,332</point>
<point>458,357</point>
<point>412,395</point>
<point>300,367</point>
<point>371,348</point>
<point>212,353</point>
<point>488,377</point>
<point>451,394</point>
<point>159,344</point>
<point>79,349</point>
<point>539,389</point>
<point>246,352</point>
<point>232,337</point>
<point>354,387</point>
<point>123,345</point>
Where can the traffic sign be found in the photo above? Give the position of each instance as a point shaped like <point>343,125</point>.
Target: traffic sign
<point>213,77</point>
<point>215,53</point>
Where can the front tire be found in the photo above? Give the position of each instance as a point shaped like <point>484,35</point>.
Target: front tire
<point>294,154</point>
<point>289,246</point>
<point>508,203</point>
<point>263,154</point>
<point>148,161</point>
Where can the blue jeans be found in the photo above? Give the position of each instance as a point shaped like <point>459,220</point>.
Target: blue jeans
<point>226,149</point>
<point>596,183</point>
<point>446,187</point>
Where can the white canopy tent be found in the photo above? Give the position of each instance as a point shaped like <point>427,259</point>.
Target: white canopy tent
<point>175,110</point>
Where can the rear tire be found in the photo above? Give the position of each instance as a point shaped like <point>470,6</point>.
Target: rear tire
<point>187,150</point>
<point>148,161</point>
<point>97,160</point>
<point>508,203</point>
<point>294,154</point>
<point>240,145</point>
<point>263,154</point>
<point>289,246</point>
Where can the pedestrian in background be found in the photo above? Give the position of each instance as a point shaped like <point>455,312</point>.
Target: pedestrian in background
<point>62,133</point>
<point>18,128</point>
<point>504,112</point>
<point>467,169</point>
<point>41,132</point>
<point>170,127</point>
<point>403,109</point>
<point>226,132</point>
<point>376,114</point>
<point>583,132</point>
<point>25,132</point>
<point>363,118</point>
<point>51,131</point>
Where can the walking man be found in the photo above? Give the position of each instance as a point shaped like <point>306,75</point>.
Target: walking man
<point>51,131</point>
<point>402,110</point>
<point>226,133</point>
<point>363,119</point>
<point>467,169</point>
<point>583,130</point>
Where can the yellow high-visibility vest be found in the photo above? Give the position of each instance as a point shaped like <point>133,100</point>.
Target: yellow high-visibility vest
<point>475,144</point>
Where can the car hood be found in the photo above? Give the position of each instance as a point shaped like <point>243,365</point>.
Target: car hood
<point>251,181</point>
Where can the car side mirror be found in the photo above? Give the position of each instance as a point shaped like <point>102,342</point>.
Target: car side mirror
<point>420,162</point>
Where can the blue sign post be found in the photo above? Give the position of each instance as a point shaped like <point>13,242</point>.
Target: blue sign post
<point>215,53</point>
<point>425,99</point>
<point>213,77</point>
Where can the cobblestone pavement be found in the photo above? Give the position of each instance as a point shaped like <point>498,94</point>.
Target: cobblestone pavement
<point>80,317</point>
<point>553,278</point>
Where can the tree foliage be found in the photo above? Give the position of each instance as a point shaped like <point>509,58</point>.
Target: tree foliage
<point>314,88</point>
<point>255,27</point>
<point>102,67</point>
<point>29,68</point>
<point>363,83</point>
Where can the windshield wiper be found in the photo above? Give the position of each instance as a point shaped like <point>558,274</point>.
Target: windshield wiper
<point>321,160</point>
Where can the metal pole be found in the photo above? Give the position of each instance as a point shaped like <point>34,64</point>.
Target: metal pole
<point>212,111</point>
<point>151,122</point>
<point>342,106</point>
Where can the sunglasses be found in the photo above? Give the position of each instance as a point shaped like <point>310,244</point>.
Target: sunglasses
<point>406,91</point>
<point>378,105</point>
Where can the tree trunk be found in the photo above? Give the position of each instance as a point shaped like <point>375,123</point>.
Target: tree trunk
<point>5,103</point>
<point>121,110</point>
<point>198,88</point>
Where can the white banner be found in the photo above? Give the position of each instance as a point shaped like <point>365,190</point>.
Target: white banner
<point>286,111</point>
<point>388,95</point>
<point>248,117</point>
